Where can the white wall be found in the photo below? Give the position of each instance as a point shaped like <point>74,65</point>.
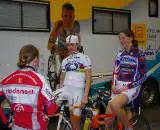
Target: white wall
<point>139,11</point>
<point>12,41</point>
<point>101,48</point>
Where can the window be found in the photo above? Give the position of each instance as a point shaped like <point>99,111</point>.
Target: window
<point>110,21</point>
<point>24,15</point>
<point>153,8</point>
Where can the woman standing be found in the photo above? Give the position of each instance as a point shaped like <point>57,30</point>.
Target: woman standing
<point>28,93</point>
<point>75,79</point>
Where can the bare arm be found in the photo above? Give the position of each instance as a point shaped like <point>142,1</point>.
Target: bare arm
<point>54,34</point>
<point>62,77</point>
<point>88,81</point>
<point>87,87</point>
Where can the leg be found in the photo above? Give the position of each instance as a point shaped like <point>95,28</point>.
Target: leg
<point>117,107</point>
<point>75,120</point>
<point>75,101</point>
<point>109,121</point>
<point>132,95</point>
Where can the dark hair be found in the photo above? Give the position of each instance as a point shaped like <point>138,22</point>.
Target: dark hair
<point>130,33</point>
<point>27,54</point>
<point>68,6</point>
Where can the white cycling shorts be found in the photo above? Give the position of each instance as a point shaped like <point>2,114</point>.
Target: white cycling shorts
<point>130,93</point>
<point>73,95</point>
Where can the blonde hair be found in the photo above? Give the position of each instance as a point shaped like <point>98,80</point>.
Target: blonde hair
<point>27,54</point>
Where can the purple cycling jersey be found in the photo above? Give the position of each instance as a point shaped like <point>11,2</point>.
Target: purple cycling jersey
<point>129,68</point>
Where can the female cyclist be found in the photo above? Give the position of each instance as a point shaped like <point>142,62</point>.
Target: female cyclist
<point>75,79</point>
<point>28,93</point>
<point>129,68</point>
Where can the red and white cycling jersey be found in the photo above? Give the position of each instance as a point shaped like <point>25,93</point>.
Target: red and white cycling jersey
<point>29,95</point>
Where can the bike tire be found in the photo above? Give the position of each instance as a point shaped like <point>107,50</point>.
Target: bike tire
<point>52,71</point>
<point>142,123</point>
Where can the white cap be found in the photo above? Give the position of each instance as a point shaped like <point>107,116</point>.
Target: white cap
<point>72,39</point>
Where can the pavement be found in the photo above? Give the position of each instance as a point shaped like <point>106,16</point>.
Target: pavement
<point>153,116</point>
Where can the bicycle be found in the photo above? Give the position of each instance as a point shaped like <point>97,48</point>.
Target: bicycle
<point>138,121</point>
<point>64,121</point>
<point>52,70</point>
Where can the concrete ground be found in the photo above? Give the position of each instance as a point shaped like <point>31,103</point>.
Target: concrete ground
<point>153,115</point>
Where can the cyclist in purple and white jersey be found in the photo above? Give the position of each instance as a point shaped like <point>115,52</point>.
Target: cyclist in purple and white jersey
<point>129,69</point>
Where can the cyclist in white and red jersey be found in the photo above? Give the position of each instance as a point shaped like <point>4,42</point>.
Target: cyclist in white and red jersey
<point>28,93</point>
<point>75,79</point>
<point>129,70</point>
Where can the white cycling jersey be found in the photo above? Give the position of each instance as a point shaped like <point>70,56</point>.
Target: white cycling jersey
<point>75,67</point>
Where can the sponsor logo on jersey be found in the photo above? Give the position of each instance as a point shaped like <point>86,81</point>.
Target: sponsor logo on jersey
<point>71,66</point>
<point>20,80</point>
<point>48,93</point>
<point>18,108</point>
<point>128,59</point>
<point>19,91</point>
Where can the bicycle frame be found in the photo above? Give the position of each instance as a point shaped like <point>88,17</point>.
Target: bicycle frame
<point>95,121</point>
<point>63,118</point>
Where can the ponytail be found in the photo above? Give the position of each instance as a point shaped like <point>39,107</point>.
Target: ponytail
<point>27,54</point>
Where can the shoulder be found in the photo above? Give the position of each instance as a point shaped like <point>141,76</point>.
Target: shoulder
<point>5,79</point>
<point>81,54</point>
<point>77,26</point>
<point>120,52</point>
<point>84,57</point>
<point>58,22</point>
<point>65,59</point>
<point>57,25</point>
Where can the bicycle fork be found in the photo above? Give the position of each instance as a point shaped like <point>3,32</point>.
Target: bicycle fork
<point>61,118</point>
<point>59,122</point>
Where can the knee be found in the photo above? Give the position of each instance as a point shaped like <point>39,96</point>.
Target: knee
<point>115,106</point>
<point>108,109</point>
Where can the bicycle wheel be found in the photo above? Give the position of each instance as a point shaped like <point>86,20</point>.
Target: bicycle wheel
<point>142,123</point>
<point>52,70</point>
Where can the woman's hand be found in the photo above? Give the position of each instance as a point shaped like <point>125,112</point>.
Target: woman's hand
<point>115,90</point>
<point>10,125</point>
<point>123,89</point>
<point>118,91</point>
